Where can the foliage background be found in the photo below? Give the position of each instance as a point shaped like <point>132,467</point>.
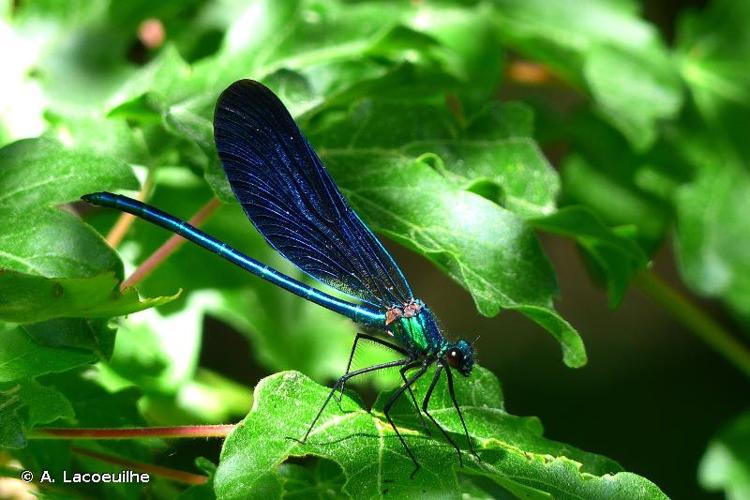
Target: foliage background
<point>641,108</point>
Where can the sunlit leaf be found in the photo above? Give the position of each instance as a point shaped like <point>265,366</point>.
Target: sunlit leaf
<point>514,452</point>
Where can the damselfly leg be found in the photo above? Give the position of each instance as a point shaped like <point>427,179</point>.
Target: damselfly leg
<point>392,400</point>
<point>452,393</point>
<point>402,371</point>
<point>342,380</point>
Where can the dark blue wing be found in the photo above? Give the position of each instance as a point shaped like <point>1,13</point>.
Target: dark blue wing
<point>292,200</point>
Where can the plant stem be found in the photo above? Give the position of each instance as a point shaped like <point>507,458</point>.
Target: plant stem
<point>156,470</point>
<point>125,220</point>
<point>169,247</point>
<point>187,431</point>
<point>696,320</point>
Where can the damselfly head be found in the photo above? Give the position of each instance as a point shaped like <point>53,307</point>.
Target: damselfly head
<point>460,356</point>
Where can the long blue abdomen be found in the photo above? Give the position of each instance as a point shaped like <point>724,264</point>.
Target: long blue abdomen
<point>356,312</point>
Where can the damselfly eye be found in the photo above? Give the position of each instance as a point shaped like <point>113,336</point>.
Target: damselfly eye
<point>455,358</point>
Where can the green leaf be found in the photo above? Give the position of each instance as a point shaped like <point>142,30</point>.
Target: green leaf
<point>22,358</point>
<point>216,398</point>
<point>93,335</point>
<point>27,404</point>
<point>444,197</point>
<point>323,33</point>
<point>202,491</point>
<point>30,299</point>
<point>712,235</point>
<point>605,47</point>
<point>53,244</point>
<point>74,67</point>
<point>158,351</point>
<point>619,258</point>
<point>713,46</point>
<point>471,50</point>
<point>23,105</point>
<point>111,142</point>
<point>501,120</point>
<point>51,264</point>
<point>634,91</point>
<point>40,244</point>
<point>96,406</point>
<point>487,252</point>
<point>409,192</point>
<point>164,76</point>
<point>509,172</point>
<point>514,453</point>
<point>324,479</point>
<point>615,200</point>
<point>725,465</point>
<point>36,173</point>
<point>44,404</point>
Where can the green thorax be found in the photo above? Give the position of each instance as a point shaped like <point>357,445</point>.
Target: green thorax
<point>414,326</point>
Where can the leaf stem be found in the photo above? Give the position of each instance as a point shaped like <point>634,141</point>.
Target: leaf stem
<point>187,431</point>
<point>700,323</point>
<point>125,220</point>
<point>169,247</point>
<point>156,470</point>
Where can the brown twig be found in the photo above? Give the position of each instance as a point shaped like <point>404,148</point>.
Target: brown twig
<point>156,470</point>
<point>124,221</point>
<point>169,247</point>
<point>186,431</point>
